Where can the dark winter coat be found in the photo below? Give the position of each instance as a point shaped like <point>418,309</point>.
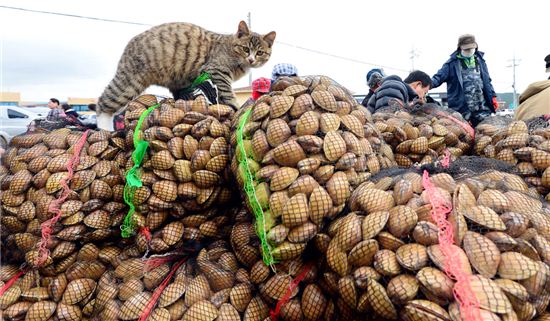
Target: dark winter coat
<point>451,73</point>
<point>365,101</point>
<point>392,87</point>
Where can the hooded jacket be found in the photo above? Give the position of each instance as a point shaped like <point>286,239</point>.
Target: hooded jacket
<point>392,87</point>
<point>534,101</point>
<point>451,73</point>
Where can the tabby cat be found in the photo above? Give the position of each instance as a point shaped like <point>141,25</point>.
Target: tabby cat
<point>174,54</point>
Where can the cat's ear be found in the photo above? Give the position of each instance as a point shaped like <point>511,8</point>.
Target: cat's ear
<point>270,38</point>
<point>243,30</point>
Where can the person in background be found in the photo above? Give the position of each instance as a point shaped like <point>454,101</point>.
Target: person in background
<point>413,88</point>
<point>535,100</point>
<point>92,107</point>
<point>260,87</point>
<point>280,70</point>
<point>69,111</point>
<point>469,88</point>
<point>56,112</point>
<point>374,79</point>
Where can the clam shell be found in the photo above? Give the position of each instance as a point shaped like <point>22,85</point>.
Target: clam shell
<point>373,200</point>
<point>134,306</point>
<point>296,211</point>
<point>68,312</point>
<point>417,310</point>
<point>308,124</point>
<point>277,286</point>
<point>329,122</point>
<point>288,154</point>
<point>198,289</point>
<point>489,295</point>
<point>162,160</point>
<point>379,300</point>
<point>363,253</point>
<point>374,223</point>
<point>41,311</point>
<point>483,254</point>
<point>338,188</point>
<point>280,105</point>
<point>334,146</point>
<point>287,250</point>
<point>402,288</point>
<point>202,310</point>
<point>320,204</point>
<point>9,297</point>
<point>425,233</point>
<point>516,266</point>
<point>385,263</point>
<point>437,257</point>
<point>436,283</point>
<point>401,221</point>
<point>277,132</point>
<point>485,216</point>
<point>412,256</point>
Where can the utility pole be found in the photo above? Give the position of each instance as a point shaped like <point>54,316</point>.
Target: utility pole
<point>515,63</point>
<point>414,54</point>
<point>250,70</point>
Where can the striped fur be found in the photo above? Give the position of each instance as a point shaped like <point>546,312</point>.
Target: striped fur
<point>172,55</point>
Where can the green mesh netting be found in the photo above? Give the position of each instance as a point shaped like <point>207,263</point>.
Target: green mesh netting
<point>133,180</point>
<point>249,181</point>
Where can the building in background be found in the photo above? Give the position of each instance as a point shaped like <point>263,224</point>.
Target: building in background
<point>10,98</point>
<point>80,105</point>
<point>242,94</point>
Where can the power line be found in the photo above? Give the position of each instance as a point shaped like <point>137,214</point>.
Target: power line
<point>76,16</point>
<point>149,25</point>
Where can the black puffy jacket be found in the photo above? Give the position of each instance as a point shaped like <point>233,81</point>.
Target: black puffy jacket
<point>391,88</point>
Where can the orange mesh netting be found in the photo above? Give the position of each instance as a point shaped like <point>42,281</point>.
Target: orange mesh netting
<point>275,314</point>
<point>156,295</point>
<point>55,205</point>
<point>469,306</point>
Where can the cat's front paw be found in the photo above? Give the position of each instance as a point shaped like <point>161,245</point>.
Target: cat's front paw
<point>105,121</point>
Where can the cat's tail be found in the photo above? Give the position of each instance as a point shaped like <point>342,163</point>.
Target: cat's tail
<point>116,95</point>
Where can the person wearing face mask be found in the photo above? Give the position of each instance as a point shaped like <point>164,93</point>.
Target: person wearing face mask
<point>469,88</point>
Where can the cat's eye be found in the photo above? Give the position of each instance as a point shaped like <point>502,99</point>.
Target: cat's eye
<point>245,49</point>
<point>260,53</point>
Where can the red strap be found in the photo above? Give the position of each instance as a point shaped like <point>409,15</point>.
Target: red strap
<point>469,306</point>
<point>155,262</point>
<point>291,287</point>
<point>55,205</point>
<point>11,281</point>
<point>146,232</point>
<point>156,295</point>
<point>469,129</point>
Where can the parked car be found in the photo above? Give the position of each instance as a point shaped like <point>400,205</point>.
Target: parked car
<point>14,121</point>
<point>40,111</point>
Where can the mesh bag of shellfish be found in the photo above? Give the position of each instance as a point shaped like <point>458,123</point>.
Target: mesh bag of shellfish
<point>177,174</point>
<point>423,133</point>
<point>206,285</point>
<point>526,145</point>
<point>289,288</point>
<point>298,152</point>
<point>59,192</point>
<point>69,294</point>
<point>464,243</point>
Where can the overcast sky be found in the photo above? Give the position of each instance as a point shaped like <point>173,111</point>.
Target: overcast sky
<point>44,55</point>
